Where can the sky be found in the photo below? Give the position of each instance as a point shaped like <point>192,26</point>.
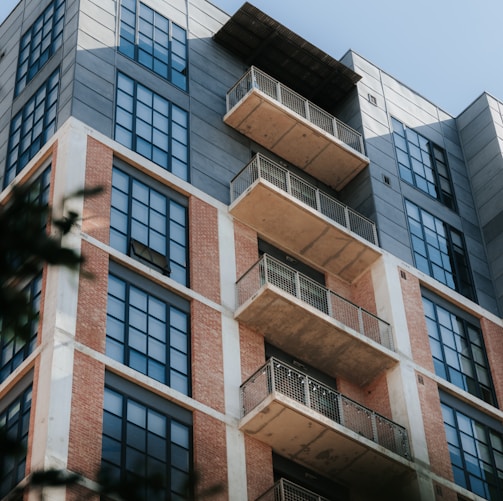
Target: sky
<point>449,51</point>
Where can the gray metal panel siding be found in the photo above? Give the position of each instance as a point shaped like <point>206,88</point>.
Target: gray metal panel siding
<point>481,132</point>
<point>395,99</point>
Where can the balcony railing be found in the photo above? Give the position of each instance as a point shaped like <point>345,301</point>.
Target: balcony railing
<point>273,272</point>
<point>257,79</point>
<point>276,376</point>
<point>261,167</point>
<point>284,490</point>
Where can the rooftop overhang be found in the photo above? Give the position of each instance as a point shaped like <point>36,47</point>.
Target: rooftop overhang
<point>261,41</point>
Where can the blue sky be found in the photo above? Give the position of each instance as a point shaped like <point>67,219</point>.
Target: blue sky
<point>450,51</point>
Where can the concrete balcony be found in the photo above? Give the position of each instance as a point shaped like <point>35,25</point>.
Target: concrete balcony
<point>284,490</point>
<point>313,323</point>
<point>297,130</point>
<point>315,425</point>
<point>298,217</point>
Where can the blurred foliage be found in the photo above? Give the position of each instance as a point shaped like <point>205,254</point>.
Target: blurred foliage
<point>31,238</point>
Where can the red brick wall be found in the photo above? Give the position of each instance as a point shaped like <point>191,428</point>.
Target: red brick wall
<point>436,440</point>
<point>204,257</point>
<point>246,245</point>
<point>493,340</point>
<point>84,454</point>
<point>92,307</point>
<point>210,456</point>
<point>259,468</point>
<point>362,293</point>
<point>207,356</point>
<point>416,322</point>
<point>96,213</point>
<point>252,349</point>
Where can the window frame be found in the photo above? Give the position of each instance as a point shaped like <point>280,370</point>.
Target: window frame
<point>131,126</point>
<point>130,37</point>
<point>56,27</point>
<point>21,391</point>
<point>460,470</point>
<point>465,324</point>
<point>36,136</point>
<point>159,294</point>
<point>174,267</point>
<point>440,181</point>
<point>462,278</point>
<point>144,397</point>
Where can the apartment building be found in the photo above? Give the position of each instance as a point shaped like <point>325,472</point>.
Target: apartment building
<point>293,280</point>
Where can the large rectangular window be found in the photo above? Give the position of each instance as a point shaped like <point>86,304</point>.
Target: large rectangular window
<point>15,421</point>
<point>145,436</point>
<point>154,41</point>
<point>32,126</point>
<point>40,42</point>
<point>458,351</point>
<point>16,347</point>
<point>152,126</point>
<point>422,163</point>
<point>149,225</point>
<point>476,452</point>
<point>149,332</point>
<point>439,250</point>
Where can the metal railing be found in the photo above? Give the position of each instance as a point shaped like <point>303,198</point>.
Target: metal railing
<point>269,270</point>
<point>260,167</point>
<point>284,490</point>
<point>257,79</point>
<point>276,376</point>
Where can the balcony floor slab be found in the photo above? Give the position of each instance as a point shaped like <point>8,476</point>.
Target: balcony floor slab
<point>306,436</point>
<point>295,139</point>
<point>309,334</point>
<point>296,227</point>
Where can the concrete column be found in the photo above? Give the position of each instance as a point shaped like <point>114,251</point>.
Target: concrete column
<point>53,391</point>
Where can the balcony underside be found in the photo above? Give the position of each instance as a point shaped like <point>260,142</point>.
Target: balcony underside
<point>310,335</point>
<point>295,139</point>
<point>295,227</point>
<point>308,437</point>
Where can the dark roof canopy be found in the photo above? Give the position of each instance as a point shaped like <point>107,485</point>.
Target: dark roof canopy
<point>263,42</point>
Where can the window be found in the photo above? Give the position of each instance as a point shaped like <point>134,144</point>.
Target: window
<point>149,225</point>
<point>15,420</point>
<point>32,126</point>
<point>14,349</point>
<point>476,452</point>
<point>40,42</point>
<point>154,41</point>
<point>149,334</point>
<point>439,250</point>
<point>458,351</point>
<point>152,126</point>
<point>422,163</point>
<point>145,435</point>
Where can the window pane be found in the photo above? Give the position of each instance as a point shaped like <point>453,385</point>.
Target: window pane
<point>138,334</point>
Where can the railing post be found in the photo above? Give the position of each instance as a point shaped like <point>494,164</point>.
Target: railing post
<point>330,310</point>
<point>307,110</point>
<point>346,217</point>
<point>375,437</point>
<point>278,92</point>
<point>340,409</point>
<point>334,125</point>
<point>265,265</point>
<point>281,490</point>
<point>360,321</point>
<point>288,183</point>
<point>298,293</point>
<point>271,375</point>
<point>307,392</point>
<point>318,200</point>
